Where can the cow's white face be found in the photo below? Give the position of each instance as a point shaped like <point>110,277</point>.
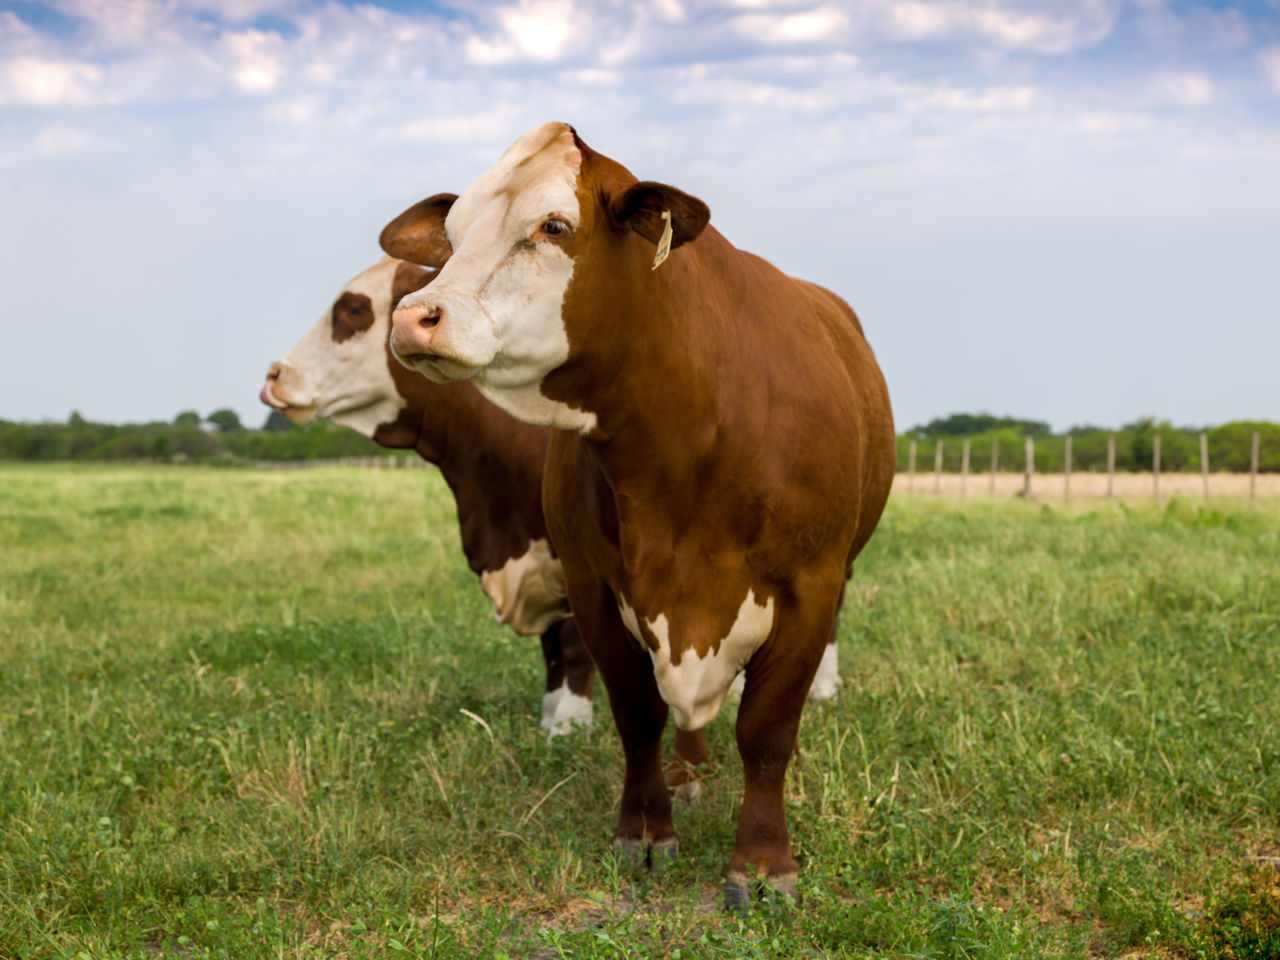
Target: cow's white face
<point>494,312</point>
<point>338,370</point>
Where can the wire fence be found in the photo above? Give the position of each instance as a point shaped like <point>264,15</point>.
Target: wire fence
<point>1025,482</point>
<point>1090,484</point>
<point>388,462</point>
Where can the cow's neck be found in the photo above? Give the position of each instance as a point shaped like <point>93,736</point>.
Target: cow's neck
<point>493,465</point>
<point>661,372</point>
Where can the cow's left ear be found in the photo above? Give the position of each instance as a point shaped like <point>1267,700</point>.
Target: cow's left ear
<point>417,235</point>
<point>640,207</point>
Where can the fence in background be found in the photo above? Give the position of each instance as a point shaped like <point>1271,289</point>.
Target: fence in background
<point>377,463</point>
<point>1028,487</point>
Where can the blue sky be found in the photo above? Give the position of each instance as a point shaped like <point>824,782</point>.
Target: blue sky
<point>1062,210</point>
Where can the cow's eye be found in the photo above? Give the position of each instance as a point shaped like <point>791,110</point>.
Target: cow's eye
<point>555,228</point>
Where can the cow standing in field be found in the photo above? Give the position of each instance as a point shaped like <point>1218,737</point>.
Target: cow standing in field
<point>724,449</point>
<point>342,370</point>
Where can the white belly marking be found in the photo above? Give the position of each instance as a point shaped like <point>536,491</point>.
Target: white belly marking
<point>528,593</point>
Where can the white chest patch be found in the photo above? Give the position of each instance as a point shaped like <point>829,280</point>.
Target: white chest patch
<point>695,688</point>
<point>528,593</point>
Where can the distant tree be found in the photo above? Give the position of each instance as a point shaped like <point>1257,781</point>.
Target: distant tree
<point>187,418</point>
<point>969,424</point>
<point>276,422</point>
<point>226,420</point>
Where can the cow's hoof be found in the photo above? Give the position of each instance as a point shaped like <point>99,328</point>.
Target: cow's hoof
<point>688,790</point>
<point>563,711</point>
<point>630,854</point>
<point>737,896</point>
<point>784,887</point>
<point>663,853</point>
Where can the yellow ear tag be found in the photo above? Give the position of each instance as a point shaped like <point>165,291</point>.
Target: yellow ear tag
<point>664,242</point>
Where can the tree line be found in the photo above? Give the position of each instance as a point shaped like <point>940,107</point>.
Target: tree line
<point>221,438</point>
<point>1229,445</point>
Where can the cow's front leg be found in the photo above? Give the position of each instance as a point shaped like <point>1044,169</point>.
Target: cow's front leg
<point>645,832</point>
<point>778,678</point>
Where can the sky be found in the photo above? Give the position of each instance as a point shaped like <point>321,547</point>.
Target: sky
<point>1066,211</point>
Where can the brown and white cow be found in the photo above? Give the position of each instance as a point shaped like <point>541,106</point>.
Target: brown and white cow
<point>342,370</point>
<point>725,449</point>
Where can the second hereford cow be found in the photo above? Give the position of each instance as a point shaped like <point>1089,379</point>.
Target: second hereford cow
<point>342,370</point>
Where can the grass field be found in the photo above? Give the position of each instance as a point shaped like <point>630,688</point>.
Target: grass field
<point>267,714</point>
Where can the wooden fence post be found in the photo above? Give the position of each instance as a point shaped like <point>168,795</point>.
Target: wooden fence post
<point>1030,457</point>
<point>1155,468</point>
<point>964,469</point>
<point>937,468</point>
<point>1253,469</point>
<point>1066,473</point>
<point>995,462</point>
<point>1111,465</point>
<point>911,467</point>
<point>1204,463</point>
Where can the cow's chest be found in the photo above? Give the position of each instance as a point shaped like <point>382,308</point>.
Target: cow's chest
<point>687,595</point>
<point>695,660</point>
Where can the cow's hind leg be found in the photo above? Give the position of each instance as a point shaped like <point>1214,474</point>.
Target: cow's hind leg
<point>570,675</point>
<point>683,776</point>
<point>826,682</point>
<point>778,678</point>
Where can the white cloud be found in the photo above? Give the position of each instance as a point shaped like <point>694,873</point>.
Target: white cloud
<point>669,10</point>
<point>817,24</point>
<point>536,30</point>
<point>40,82</point>
<point>241,11</point>
<point>990,100</point>
<point>14,31</point>
<point>257,58</point>
<point>123,23</point>
<point>459,128</point>
<point>1269,60</point>
<point>299,110</point>
<point>1106,123</point>
<point>1078,25</point>
<point>593,78</point>
<point>1191,89</point>
<point>60,140</point>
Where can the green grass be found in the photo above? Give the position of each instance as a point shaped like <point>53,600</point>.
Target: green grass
<point>268,715</point>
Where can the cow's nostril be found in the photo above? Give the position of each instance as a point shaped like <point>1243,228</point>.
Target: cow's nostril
<point>430,318</point>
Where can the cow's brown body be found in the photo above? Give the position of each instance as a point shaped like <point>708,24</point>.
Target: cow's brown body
<point>734,454</point>
<point>492,463</point>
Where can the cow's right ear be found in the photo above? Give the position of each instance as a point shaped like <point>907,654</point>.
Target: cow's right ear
<point>417,235</point>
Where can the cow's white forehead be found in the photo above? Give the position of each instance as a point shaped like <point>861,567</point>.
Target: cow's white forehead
<point>536,176</point>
